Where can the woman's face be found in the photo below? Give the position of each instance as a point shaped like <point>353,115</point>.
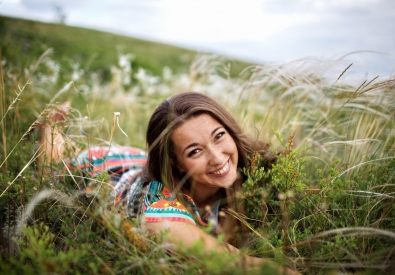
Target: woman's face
<point>206,151</point>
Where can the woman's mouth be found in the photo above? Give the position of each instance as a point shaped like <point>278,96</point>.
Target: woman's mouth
<point>223,170</point>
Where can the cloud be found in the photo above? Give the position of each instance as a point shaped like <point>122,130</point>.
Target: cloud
<point>264,30</point>
<point>10,1</point>
<point>46,5</point>
<point>317,6</point>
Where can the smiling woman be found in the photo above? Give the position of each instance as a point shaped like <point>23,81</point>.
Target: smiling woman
<point>192,175</point>
<point>191,179</point>
<point>208,155</point>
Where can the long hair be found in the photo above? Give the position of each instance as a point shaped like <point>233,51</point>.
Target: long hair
<point>161,165</point>
<point>171,114</point>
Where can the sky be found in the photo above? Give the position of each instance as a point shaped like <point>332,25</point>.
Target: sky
<point>361,32</point>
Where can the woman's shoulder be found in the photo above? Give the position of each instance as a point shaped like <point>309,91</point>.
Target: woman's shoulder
<point>159,204</point>
<point>167,210</point>
<point>154,191</point>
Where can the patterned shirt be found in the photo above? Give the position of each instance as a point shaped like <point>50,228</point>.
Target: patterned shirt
<point>152,201</point>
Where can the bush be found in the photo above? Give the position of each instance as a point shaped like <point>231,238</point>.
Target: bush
<point>326,205</point>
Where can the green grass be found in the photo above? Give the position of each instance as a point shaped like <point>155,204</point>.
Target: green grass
<point>329,204</point>
<point>22,40</point>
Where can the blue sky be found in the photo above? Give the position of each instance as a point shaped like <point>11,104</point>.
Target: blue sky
<point>360,31</point>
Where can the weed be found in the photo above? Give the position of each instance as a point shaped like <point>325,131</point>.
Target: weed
<point>326,205</point>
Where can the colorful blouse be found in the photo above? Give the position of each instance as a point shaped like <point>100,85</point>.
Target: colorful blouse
<point>122,164</point>
<point>152,201</point>
<point>158,204</point>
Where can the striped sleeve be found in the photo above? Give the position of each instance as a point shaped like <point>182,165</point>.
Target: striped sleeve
<point>165,210</point>
<point>114,160</point>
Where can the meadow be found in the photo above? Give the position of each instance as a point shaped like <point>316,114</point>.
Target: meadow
<point>326,207</point>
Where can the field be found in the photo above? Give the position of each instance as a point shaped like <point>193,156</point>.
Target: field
<point>326,207</point>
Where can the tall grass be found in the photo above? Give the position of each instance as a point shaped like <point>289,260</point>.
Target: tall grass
<point>328,206</point>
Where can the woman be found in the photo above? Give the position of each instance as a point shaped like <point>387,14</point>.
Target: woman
<point>191,179</point>
<point>195,149</point>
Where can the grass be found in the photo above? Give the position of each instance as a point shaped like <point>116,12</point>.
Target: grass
<point>22,40</point>
<point>329,206</point>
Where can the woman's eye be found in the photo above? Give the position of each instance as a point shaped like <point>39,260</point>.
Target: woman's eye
<point>193,152</point>
<point>219,135</point>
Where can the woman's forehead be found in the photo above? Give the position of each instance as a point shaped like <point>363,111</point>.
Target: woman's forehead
<point>198,123</point>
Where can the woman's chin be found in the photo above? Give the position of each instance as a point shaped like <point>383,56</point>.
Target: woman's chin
<point>225,181</point>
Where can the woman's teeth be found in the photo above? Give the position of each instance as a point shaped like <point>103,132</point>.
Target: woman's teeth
<point>223,170</point>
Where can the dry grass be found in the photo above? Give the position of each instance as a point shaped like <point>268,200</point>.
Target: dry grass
<point>327,119</point>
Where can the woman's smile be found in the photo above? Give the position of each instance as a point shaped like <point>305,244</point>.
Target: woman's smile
<point>223,171</point>
<point>206,152</point>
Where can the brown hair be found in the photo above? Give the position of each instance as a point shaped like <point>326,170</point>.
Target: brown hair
<point>172,113</point>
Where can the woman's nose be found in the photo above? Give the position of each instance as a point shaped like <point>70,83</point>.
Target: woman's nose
<point>216,157</point>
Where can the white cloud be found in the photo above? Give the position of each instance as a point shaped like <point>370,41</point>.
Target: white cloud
<point>44,5</point>
<point>10,1</point>
<point>264,30</point>
<point>221,20</point>
<point>339,4</point>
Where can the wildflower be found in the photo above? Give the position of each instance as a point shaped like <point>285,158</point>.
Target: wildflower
<point>132,236</point>
<point>254,160</point>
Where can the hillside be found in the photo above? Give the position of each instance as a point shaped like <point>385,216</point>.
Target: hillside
<point>326,206</point>
<point>21,40</point>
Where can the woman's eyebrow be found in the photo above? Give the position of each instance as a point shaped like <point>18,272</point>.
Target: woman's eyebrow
<point>190,145</point>
<point>215,130</point>
<point>196,144</point>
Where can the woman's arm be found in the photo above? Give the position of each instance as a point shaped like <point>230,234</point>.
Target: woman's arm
<point>187,234</point>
